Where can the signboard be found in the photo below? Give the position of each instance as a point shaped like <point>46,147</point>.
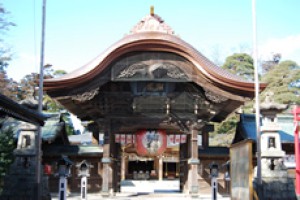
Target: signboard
<point>241,170</point>
<point>151,142</point>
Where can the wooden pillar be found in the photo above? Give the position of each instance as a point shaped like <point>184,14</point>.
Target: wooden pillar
<point>205,134</point>
<point>116,165</point>
<point>193,161</point>
<point>123,166</point>
<point>183,156</point>
<point>107,163</point>
<point>160,168</point>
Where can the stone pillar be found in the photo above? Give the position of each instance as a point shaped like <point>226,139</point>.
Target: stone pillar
<point>160,168</point>
<point>106,161</point>
<point>193,162</point>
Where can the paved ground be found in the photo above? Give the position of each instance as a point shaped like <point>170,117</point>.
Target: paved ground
<point>141,196</point>
<point>145,190</point>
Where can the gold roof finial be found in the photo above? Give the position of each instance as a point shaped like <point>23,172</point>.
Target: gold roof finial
<point>152,10</point>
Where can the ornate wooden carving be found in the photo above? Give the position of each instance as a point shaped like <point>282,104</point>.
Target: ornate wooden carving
<point>150,66</point>
<point>154,71</point>
<point>86,96</point>
<point>216,98</point>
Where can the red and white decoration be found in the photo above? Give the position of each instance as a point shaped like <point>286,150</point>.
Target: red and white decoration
<point>171,140</point>
<point>174,140</point>
<point>177,139</point>
<point>117,138</point>
<point>123,139</point>
<point>128,139</point>
<point>183,139</point>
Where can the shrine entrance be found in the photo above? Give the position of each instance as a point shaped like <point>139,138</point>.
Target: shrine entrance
<point>147,91</point>
<point>163,155</point>
<point>149,164</point>
<point>141,170</point>
<point>149,155</point>
<point>152,169</point>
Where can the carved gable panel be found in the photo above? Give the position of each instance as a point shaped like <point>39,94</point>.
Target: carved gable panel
<point>149,66</point>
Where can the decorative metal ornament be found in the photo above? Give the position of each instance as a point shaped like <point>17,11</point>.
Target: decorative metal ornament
<point>152,22</point>
<point>86,96</point>
<point>214,97</point>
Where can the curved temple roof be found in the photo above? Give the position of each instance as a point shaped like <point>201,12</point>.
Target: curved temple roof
<point>152,34</point>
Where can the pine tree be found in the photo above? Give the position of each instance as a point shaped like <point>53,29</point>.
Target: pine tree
<point>280,80</point>
<point>240,64</point>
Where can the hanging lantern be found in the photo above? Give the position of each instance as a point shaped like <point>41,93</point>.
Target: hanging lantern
<point>151,142</point>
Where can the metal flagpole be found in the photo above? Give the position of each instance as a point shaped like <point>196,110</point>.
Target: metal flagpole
<point>257,110</point>
<point>40,107</point>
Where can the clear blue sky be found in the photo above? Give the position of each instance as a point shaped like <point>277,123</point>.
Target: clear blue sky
<point>79,30</point>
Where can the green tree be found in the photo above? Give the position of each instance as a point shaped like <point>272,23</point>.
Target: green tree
<point>27,86</point>
<point>7,145</point>
<point>240,64</point>
<point>280,80</point>
<point>283,80</point>
<point>228,126</point>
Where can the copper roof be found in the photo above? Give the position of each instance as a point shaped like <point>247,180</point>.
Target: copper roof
<point>152,34</point>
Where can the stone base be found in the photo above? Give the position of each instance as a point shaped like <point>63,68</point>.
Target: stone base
<point>16,188</point>
<point>105,194</point>
<point>20,183</point>
<point>276,185</point>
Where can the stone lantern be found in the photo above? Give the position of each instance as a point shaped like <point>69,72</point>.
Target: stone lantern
<point>214,173</point>
<point>84,172</point>
<point>64,170</point>
<point>270,138</point>
<point>276,183</point>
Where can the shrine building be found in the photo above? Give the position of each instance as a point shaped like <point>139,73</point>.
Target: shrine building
<point>152,96</point>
